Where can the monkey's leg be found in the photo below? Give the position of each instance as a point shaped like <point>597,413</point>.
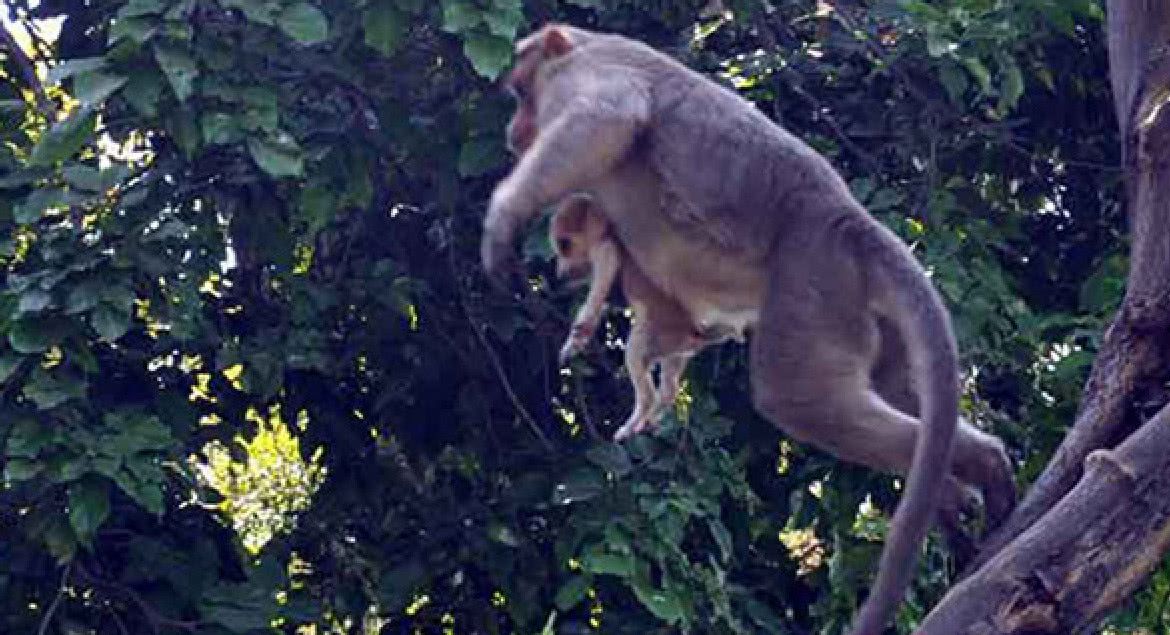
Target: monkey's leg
<point>979,458</point>
<point>670,380</point>
<point>670,370</point>
<point>638,366</point>
<point>605,259</point>
<point>811,357</point>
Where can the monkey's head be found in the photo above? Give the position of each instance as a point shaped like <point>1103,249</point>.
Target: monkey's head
<point>575,228</point>
<point>523,82</point>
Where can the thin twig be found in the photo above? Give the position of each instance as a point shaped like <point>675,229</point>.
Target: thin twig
<point>118,621</point>
<point>156,619</point>
<point>504,382</point>
<point>822,112</point>
<point>48,618</point>
<point>583,407</point>
<point>28,72</point>
<point>152,614</point>
<point>497,365</point>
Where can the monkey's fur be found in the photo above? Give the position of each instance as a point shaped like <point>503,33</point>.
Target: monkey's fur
<point>663,333</point>
<point>748,226</point>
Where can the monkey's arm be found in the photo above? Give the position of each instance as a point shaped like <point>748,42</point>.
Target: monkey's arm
<point>595,124</point>
<point>604,259</point>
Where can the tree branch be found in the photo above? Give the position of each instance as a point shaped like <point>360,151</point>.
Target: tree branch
<point>47,620</point>
<point>1136,348</point>
<point>1083,558</point>
<point>28,73</point>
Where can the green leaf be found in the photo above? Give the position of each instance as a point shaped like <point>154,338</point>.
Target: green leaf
<point>66,467</point>
<point>722,537</point>
<point>20,469</point>
<point>135,8</point>
<point>460,15</point>
<point>89,506</point>
<point>257,11</point>
<point>220,128</point>
<point>479,156</point>
<point>30,336</point>
<point>489,54</point>
<point>136,29</point>
<point>69,68</point>
<point>49,391</point>
<point>978,71</point>
<point>34,205</point>
<point>937,44</point>
<point>148,495</point>
<point>278,155</point>
<point>572,592</point>
<point>65,138</point>
<point>359,190</point>
<point>110,321</point>
<point>28,438</point>
<point>503,534</point>
<point>954,81</point>
<point>83,177</point>
<point>304,23</point>
<point>663,605</point>
<point>34,301</point>
<point>764,617</point>
<point>581,484</point>
<point>83,297</point>
<point>59,539</point>
<point>610,457</point>
<point>8,365</point>
<point>263,112</point>
<point>179,68</point>
<point>138,433</point>
<point>608,564</point>
<point>142,91</point>
<point>239,607</point>
<point>17,179</point>
<point>397,584</point>
<point>1012,87</point>
<point>384,26</point>
<point>505,19</point>
<point>317,208</point>
<point>96,87</point>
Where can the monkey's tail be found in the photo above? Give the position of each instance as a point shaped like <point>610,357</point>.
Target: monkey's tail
<point>925,326</point>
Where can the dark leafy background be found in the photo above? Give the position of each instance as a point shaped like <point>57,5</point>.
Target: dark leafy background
<point>254,380</point>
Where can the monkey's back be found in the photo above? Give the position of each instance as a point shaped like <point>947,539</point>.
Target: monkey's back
<point>720,159</point>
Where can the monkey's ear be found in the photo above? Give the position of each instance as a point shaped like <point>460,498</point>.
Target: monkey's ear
<point>556,42</point>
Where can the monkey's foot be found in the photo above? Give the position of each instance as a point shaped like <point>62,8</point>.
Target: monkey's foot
<point>636,424</point>
<point>999,492</point>
<point>568,350</point>
<point>579,335</point>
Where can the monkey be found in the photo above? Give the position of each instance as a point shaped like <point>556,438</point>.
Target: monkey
<point>662,334</point>
<point>747,225</point>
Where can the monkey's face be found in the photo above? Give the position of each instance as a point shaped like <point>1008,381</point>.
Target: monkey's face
<point>574,229</point>
<point>572,252</point>
<point>532,52</point>
<point>521,84</point>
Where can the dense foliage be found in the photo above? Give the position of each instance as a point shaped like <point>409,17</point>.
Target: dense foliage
<point>253,377</point>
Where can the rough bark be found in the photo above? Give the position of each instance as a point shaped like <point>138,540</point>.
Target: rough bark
<point>1097,521</point>
<point>1134,348</point>
<point>1081,559</point>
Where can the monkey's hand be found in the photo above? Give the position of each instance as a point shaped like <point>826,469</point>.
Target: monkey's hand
<point>505,212</point>
<point>579,335</point>
<point>497,254</point>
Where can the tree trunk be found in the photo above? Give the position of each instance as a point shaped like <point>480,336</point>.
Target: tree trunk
<point>1097,520</point>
